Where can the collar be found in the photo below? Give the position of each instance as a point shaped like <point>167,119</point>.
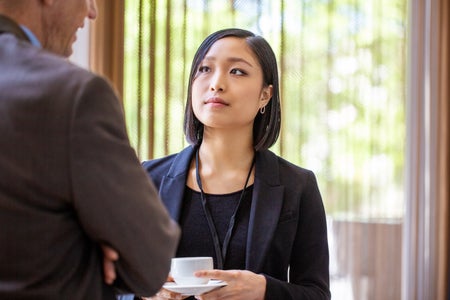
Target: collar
<point>33,39</point>
<point>8,25</point>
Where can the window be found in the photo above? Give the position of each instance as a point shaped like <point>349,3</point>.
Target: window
<point>342,67</point>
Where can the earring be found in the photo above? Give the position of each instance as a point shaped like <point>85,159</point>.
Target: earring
<point>262,110</point>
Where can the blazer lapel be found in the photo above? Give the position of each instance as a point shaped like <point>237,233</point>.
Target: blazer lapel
<point>267,201</point>
<point>9,26</point>
<point>173,184</point>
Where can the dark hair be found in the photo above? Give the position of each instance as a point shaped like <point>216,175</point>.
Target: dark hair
<point>266,127</point>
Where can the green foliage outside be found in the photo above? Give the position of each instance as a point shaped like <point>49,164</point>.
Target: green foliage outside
<point>342,68</point>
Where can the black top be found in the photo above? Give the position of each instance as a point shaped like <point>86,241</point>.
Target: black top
<point>193,219</point>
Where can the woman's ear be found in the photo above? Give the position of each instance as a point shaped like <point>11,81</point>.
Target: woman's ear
<point>266,95</point>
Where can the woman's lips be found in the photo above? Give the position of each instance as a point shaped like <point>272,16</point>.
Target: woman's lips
<point>216,101</point>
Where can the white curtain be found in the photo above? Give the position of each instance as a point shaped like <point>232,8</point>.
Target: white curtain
<point>426,235</point>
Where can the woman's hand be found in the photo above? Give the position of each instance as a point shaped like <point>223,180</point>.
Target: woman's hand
<point>164,294</point>
<point>241,285</point>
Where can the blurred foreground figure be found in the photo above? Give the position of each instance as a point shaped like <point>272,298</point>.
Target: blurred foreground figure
<point>70,183</point>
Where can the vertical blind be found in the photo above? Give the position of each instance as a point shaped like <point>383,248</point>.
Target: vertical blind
<point>342,72</point>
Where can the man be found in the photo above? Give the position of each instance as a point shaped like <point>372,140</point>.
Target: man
<point>70,183</point>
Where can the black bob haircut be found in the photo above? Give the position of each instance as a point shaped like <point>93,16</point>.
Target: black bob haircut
<point>266,127</point>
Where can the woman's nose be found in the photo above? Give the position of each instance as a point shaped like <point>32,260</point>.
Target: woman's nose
<point>217,83</point>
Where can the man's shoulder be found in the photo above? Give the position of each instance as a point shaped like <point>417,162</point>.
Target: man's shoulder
<point>33,75</point>
<point>18,55</point>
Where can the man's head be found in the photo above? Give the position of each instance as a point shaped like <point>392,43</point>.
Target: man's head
<point>54,22</point>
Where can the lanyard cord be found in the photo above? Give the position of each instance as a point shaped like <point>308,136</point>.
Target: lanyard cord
<point>220,253</point>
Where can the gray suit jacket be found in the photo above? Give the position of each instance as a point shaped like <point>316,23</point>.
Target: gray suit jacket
<point>287,234</point>
<point>70,181</point>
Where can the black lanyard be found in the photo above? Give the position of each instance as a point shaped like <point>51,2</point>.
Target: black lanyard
<point>220,253</point>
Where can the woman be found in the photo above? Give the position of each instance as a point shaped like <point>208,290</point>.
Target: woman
<point>260,217</point>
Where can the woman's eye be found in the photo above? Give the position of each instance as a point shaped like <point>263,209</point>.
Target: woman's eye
<point>238,72</point>
<point>203,69</point>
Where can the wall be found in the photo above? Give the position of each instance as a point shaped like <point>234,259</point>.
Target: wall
<point>80,54</point>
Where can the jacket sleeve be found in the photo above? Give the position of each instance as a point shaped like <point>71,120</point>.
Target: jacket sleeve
<point>115,201</point>
<point>309,262</point>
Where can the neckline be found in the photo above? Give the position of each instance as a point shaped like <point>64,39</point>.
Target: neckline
<point>249,187</point>
<point>221,252</point>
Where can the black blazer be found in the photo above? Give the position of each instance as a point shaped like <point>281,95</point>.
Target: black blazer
<point>287,235</point>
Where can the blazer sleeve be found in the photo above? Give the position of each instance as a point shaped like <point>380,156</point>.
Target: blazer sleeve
<point>309,263</point>
<point>115,201</point>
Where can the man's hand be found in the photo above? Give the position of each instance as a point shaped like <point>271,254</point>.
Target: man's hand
<point>109,257</point>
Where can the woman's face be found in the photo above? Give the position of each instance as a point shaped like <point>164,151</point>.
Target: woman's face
<point>228,89</point>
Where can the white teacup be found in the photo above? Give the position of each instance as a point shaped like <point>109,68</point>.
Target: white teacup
<point>182,269</point>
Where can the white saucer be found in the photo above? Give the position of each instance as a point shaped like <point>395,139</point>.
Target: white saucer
<point>194,290</point>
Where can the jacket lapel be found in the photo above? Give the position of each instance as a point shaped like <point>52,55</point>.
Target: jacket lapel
<point>267,201</point>
<point>173,184</point>
<point>9,26</point>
